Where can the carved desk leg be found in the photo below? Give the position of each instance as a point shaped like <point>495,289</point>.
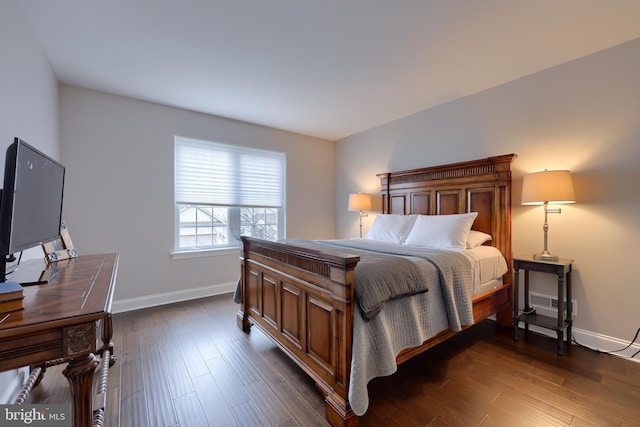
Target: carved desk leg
<point>100,401</point>
<point>79,346</point>
<point>39,375</point>
<point>79,372</point>
<point>34,379</point>
<point>107,335</point>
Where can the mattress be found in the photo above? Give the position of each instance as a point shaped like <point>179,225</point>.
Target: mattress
<point>490,267</point>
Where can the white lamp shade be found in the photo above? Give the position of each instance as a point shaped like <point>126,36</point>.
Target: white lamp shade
<point>547,186</point>
<point>359,202</point>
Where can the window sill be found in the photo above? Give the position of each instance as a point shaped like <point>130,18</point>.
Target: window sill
<point>204,253</point>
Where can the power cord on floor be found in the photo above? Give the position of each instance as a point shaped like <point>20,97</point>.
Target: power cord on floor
<point>573,339</point>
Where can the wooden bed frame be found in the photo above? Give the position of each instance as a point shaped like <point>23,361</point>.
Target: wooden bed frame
<point>304,299</point>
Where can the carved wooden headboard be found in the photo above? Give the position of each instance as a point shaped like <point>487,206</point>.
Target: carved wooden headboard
<point>482,186</point>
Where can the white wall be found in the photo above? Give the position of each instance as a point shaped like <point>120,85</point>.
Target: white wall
<point>119,192</point>
<point>28,86</point>
<point>28,109</point>
<point>583,116</point>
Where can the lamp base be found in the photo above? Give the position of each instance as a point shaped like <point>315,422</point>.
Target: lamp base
<point>546,256</point>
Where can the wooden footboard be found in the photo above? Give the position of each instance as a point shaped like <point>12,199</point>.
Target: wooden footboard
<point>303,300</point>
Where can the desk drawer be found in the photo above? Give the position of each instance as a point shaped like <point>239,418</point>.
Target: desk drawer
<point>31,349</point>
<point>41,347</point>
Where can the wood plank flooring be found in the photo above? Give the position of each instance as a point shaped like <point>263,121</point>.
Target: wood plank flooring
<point>188,365</point>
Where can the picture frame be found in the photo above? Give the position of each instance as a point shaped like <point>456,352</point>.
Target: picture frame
<point>61,248</point>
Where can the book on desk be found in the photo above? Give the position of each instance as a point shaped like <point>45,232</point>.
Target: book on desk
<point>11,297</point>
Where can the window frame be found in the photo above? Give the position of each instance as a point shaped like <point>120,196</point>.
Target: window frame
<point>234,218</point>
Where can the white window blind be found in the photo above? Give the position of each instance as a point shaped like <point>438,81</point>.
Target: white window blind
<point>208,173</point>
<point>225,191</point>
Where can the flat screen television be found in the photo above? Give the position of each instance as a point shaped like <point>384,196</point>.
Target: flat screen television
<point>31,201</point>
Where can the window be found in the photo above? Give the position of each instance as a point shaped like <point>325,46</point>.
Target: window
<point>225,191</point>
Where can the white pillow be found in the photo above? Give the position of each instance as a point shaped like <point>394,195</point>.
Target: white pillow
<point>441,231</point>
<point>391,228</point>
<point>477,238</point>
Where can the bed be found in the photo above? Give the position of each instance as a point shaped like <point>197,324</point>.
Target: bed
<point>302,294</point>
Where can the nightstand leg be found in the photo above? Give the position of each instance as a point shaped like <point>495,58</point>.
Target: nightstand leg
<point>527,308</point>
<point>561,299</point>
<point>569,307</point>
<point>516,285</point>
<point>560,342</point>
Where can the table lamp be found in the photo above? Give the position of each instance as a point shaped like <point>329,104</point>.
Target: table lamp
<point>544,188</point>
<point>360,202</point>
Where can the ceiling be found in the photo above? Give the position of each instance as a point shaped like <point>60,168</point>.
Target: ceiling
<point>326,68</point>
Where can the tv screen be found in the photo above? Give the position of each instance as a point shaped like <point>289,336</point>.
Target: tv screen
<point>31,202</point>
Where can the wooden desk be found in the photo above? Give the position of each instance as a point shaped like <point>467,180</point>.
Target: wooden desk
<point>61,321</point>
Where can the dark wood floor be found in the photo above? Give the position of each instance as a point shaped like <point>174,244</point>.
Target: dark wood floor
<point>188,365</point>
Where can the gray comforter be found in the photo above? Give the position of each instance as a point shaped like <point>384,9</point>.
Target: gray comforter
<point>407,322</point>
<point>379,276</point>
<point>387,272</point>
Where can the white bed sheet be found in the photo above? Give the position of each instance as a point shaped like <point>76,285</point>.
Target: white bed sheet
<point>490,265</point>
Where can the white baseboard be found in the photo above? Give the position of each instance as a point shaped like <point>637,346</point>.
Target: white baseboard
<point>596,342</point>
<point>129,304</point>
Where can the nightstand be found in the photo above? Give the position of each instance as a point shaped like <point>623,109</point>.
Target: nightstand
<point>562,269</point>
